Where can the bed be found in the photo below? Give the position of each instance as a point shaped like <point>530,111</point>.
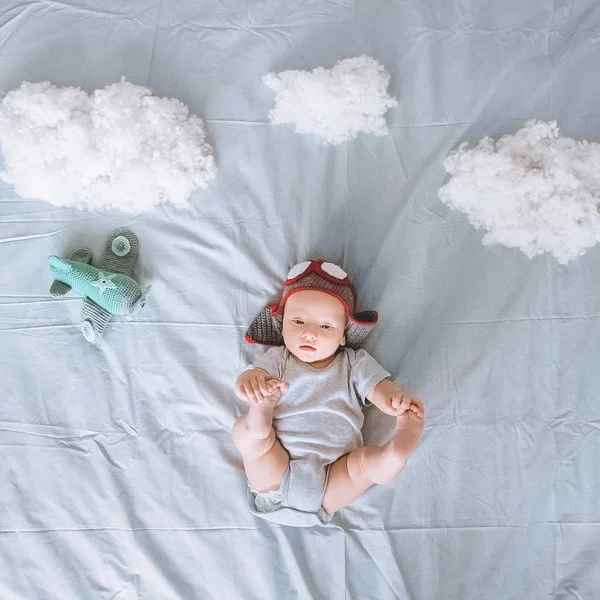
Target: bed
<point>119,476</point>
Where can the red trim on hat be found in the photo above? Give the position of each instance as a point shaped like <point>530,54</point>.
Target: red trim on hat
<point>250,340</point>
<point>355,320</point>
<point>274,308</point>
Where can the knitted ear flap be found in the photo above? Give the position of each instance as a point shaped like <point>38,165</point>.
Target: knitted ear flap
<point>266,327</point>
<point>359,326</point>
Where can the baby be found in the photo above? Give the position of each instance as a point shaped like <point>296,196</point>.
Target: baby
<point>301,440</point>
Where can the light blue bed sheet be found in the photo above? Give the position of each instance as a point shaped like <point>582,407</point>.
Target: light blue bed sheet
<point>118,476</point>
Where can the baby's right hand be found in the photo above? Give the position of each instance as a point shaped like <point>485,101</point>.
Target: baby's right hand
<point>258,386</point>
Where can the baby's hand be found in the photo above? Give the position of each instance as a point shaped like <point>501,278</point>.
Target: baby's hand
<point>398,402</point>
<point>258,386</point>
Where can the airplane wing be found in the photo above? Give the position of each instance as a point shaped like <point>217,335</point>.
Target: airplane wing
<point>119,256</point>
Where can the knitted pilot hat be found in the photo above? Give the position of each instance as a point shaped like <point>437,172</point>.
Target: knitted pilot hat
<point>313,275</point>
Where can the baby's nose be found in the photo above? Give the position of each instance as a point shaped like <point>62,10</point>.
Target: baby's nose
<point>309,334</point>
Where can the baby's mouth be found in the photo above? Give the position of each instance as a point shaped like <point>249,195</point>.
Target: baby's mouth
<point>307,348</point>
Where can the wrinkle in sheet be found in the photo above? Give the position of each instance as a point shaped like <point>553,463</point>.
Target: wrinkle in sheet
<point>296,564</point>
<point>166,570</point>
<point>31,330</point>
<point>75,8</point>
<point>153,49</point>
<point>23,238</point>
<point>523,319</point>
<point>20,15</point>
<point>378,547</point>
<point>251,29</point>
<point>63,432</point>
<point>26,302</point>
<point>458,490</point>
<point>383,171</point>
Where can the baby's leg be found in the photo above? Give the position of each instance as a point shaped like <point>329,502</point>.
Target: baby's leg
<point>353,473</point>
<point>265,459</point>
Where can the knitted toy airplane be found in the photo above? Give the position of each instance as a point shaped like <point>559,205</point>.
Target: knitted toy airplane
<point>107,289</point>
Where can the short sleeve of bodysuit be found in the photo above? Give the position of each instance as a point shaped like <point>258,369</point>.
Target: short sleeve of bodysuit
<point>366,372</point>
<point>272,361</point>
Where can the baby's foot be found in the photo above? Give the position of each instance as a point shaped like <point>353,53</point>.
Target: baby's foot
<point>409,427</point>
<point>260,416</point>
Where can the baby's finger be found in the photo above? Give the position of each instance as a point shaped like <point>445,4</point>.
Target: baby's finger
<point>405,403</point>
<point>257,393</point>
<point>271,387</point>
<point>263,386</point>
<point>416,402</point>
<point>277,383</point>
<point>416,411</point>
<point>416,417</point>
<point>247,389</point>
<point>394,411</point>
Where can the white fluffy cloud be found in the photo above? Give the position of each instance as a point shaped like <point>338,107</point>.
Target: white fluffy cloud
<point>535,190</point>
<point>119,147</point>
<point>334,104</point>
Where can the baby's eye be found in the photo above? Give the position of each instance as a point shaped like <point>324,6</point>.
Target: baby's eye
<point>298,321</point>
<point>325,326</point>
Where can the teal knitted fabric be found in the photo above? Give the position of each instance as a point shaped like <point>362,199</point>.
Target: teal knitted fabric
<point>107,289</point>
<point>115,292</point>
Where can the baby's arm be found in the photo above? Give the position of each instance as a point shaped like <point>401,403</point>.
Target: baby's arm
<point>257,385</point>
<point>391,400</point>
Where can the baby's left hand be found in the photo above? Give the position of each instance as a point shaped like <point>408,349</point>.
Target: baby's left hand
<point>399,403</point>
<point>390,399</point>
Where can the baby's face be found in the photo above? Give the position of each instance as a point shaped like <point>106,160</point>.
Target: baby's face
<point>313,326</point>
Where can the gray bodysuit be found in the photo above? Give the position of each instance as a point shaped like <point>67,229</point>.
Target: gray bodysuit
<point>317,420</point>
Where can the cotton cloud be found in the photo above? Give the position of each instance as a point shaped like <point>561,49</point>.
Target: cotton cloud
<point>119,147</point>
<point>535,190</point>
<point>334,104</point>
